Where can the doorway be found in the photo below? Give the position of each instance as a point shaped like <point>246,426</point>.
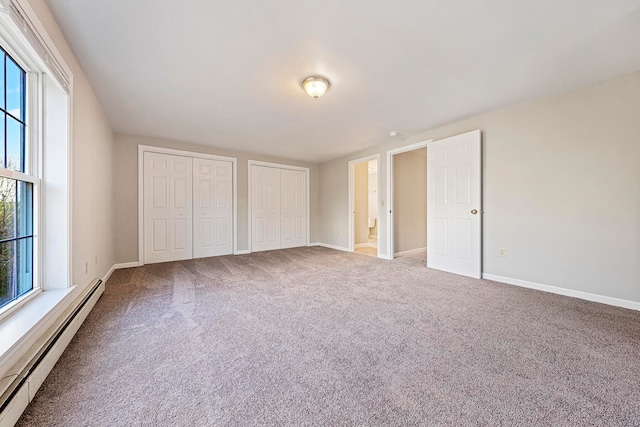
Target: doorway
<point>364,202</point>
<point>454,203</point>
<point>407,194</point>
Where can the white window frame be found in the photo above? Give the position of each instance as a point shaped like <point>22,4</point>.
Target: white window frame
<point>33,147</point>
<point>23,37</point>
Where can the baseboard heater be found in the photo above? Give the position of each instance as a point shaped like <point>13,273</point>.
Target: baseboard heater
<point>41,360</point>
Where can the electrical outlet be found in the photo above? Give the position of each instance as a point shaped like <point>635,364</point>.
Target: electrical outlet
<point>502,252</point>
<point>338,234</point>
<point>96,260</point>
<point>86,267</point>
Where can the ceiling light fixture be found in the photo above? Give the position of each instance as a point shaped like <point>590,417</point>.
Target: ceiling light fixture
<point>315,86</point>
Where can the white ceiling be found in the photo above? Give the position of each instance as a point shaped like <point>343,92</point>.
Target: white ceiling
<point>227,72</point>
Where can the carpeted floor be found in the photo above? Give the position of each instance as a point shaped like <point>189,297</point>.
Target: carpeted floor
<point>313,336</point>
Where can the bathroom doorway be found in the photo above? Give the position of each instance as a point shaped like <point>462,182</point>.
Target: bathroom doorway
<point>364,205</point>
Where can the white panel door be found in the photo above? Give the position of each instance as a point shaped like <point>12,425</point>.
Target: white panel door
<point>265,208</point>
<point>167,208</point>
<point>212,208</point>
<point>454,204</point>
<point>203,218</point>
<point>223,207</point>
<point>293,194</point>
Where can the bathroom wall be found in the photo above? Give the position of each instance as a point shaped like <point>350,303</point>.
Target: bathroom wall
<point>361,185</point>
<point>373,195</point>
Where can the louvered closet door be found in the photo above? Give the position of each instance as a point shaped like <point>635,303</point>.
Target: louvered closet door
<point>293,192</point>
<point>167,208</point>
<point>265,208</point>
<point>212,208</point>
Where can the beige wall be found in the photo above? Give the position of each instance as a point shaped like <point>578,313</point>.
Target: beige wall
<point>561,189</point>
<point>361,202</point>
<point>92,153</point>
<point>125,175</point>
<point>410,200</point>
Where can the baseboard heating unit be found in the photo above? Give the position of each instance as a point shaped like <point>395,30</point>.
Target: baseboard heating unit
<point>34,367</point>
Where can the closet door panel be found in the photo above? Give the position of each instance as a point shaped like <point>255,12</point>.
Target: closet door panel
<point>223,207</point>
<point>294,208</point>
<point>180,198</point>
<point>167,211</point>
<point>203,232</point>
<point>265,208</point>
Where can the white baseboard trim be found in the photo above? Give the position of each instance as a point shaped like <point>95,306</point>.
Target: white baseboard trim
<point>22,379</point>
<point>109,273</point>
<point>338,248</point>
<point>126,265</point>
<point>118,267</point>
<point>411,251</point>
<point>242,252</point>
<point>618,302</point>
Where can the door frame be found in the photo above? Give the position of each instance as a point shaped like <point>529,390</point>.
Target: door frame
<point>351,206</point>
<point>390,216</point>
<point>171,151</point>
<point>251,163</point>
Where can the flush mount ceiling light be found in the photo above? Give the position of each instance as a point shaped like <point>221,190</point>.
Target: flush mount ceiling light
<point>315,86</point>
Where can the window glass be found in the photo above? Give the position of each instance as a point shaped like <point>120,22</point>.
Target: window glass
<point>15,145</point>
<point>16,196</point>
<point>3,79</point>
<point>14,84</point>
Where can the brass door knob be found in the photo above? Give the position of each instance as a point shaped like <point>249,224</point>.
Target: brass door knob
<point>474,211</point>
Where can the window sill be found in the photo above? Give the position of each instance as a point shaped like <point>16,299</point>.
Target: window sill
<point>24,327</point>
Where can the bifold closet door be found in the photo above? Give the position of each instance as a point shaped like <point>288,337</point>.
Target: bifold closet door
<point>167,208</point>
<point>278,208</point>
<point>212,208</point>
<point>265,208</point>
<point>293,218</point>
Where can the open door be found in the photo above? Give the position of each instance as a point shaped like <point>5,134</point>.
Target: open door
<point>454,205</point>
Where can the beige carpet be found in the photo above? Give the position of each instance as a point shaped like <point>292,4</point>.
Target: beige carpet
<point>313,336</point>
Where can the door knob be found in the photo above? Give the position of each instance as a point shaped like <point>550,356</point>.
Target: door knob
<point>474,211</point>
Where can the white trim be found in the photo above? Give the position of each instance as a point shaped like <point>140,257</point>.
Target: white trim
<point>390,154</point>
<point>27,325</point>
<point>363,245</point>
<point>338,248</point>
<point>126,265</point>
<point>618,302</point>
<point>109,273</point>
<point>351,165</point>
<point>184,153</point>
<point>193,154</point>
<point>140,205</point>
<point>35,363</point>
<point>120,266</point>
<point>410,252</point>
<point>9,173</point>
<point>251,163</point>
<point>277,165</point>
<point>242,252</point>
<point>26,20</point>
